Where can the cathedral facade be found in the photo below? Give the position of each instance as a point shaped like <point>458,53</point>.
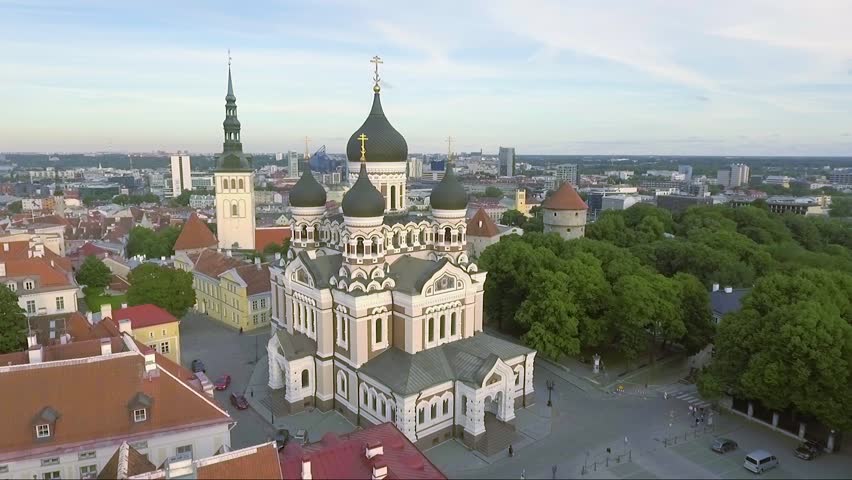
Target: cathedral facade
<point>377,313</point>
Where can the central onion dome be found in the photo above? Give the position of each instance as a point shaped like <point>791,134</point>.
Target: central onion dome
<point>363,200</point>
<point>449,194</point>
<point>386,144</point>
<point>307,192</point>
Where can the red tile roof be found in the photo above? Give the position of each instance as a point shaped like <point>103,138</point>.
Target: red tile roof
<point>256,278</point>
<point>21,250</point>
<point>48,275</point>
<point>566,198</point>
<point>253,462</point>
<point>90,248</point>
<point>481,225</point>
<point>194,235</point>
<point>213,263</point>
<point>142,316</point>
<point>345,456</point>
<point>264,237</point>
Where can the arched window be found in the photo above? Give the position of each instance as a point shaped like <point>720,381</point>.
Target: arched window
<point>316,233</point>
<point>393,197</point>
<point>396,240</point>
<point>233,184</point>
<point>446,407</point>
<point>306,380</point>
<point>379,330</point>
<point>234,210</point>
<point>453,324</point>
<point>377,241</point>
<point>432,329</point>
<point>304,232</point>
<point>422,238</point>
<point>242,184</point>
<point>359,247</point>
<point>224,184</point>
<point>366,397</point>
<point>382,406</point>
<point>341,383</point>
<point>433,411</point>
<point>448,235</point>
<point>443,326</point>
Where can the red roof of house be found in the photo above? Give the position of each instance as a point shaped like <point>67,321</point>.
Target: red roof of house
<point>90,248</point>
<point>345,456</point>
<point>195,234</point>
<point>264,237</point>
<point>566,198</point>
<point>481,225</point>
<point>49,275</point>
<point>142,316</point>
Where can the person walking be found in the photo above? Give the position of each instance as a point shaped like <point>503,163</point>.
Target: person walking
<point>511,451</point>
<point>691,411</point>
<point>241,330</point>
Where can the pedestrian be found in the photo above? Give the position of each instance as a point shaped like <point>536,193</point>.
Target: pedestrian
<point>553,468</point>
<point>511,451</point>
<point>691,411</point>
<point>524,474</point>
<point>241,330</point>
<point>252,393</point>
<point>696,422</point>
<point>665,395</point>
<point>702,411</point>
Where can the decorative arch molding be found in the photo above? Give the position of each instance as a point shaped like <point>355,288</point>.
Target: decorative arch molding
<point>443,307</point>
<point>304,298</point>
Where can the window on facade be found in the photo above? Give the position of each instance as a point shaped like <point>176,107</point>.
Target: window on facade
<point>262,303</point>
<point>43,430</point>
<point>373,404</point>
<point>165,347</point>
<point>306,380</point>
<point>140,415</point>
<point>234,211</point>
<point>86,455</point>
<point>341,384</point>
<point>343,329</point>
<point>29,285</point>
<point>433,411</point>
<point>184,450</point>
<point>421,416</point>
<point>359,247</point>
<point>431,330</point>
<point>366,398</point>
<point>224,184</point>
<point>45,462</point>
<point>242,184</point>
<point>51,475</point>
<point>518,377</point>
<point>60,303</point>
<point>88,471</point>
<point>31,306</point>
<point>254,305</point>
<point>464,405</point>
<point>443,327</point>
<point>452,324</point>
<point>379,330</point>
<point>12,286</point>
<point>382,407</point>
<point>448,235</point>
<point>233,184</point>
<point>446,406</point>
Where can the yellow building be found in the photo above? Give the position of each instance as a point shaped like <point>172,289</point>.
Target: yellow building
<point>151,325</point>
<point>229,290</point>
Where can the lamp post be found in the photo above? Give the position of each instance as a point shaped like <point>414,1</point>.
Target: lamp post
<point>550,384</point>
<point>255,349</point>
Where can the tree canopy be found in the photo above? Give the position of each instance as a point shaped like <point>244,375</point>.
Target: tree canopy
<point>13,322</point>
<point>93,273</point>
<point>493,192</point>
<point>165,287</point>
<point>182,199</point>
<point>144,241</point>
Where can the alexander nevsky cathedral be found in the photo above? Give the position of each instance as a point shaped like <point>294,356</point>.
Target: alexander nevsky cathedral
<point>377,313</point>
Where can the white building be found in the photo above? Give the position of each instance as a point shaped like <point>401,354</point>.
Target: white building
<point>735,176</point>
<point>566,172</point>
<point>42,287</point>
<point>293,159</point>
<point>378,313</point>
<point>181,174</point>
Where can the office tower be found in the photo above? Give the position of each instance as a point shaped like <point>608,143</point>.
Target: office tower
<point>686,170</point>
<point>739,174</point>
<point>293,159</point>
<point>279,156</point>
<point>181,178</point>
<point>506,159</point>
<point>566,172</point>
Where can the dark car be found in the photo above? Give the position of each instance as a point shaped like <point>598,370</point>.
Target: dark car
<point>808,450</point>
<point>198,366</point>
<point>281,437</point>
<point>222,382</point>
<point>239,401</point>
<point>723,445</point>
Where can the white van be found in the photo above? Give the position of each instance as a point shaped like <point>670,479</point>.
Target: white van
<point>760,461</point>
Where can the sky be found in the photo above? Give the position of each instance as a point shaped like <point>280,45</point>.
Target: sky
<point>667,77</point>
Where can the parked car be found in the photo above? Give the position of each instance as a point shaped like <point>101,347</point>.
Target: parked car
<point>239,401</point>
<point>760,461</point>
<point>222,382</point>
<point>724,445</point>
<point>281,437</point>
<point>198,366</point>
<point>808,450</point>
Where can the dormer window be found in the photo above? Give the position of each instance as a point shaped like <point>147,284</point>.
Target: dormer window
<point>29,285</point>
<point>140,415</point>
<point>43,430</point>
<point>12,286</point>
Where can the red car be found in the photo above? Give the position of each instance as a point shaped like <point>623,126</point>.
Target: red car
<point>239,401</point>
<point>222,382</point>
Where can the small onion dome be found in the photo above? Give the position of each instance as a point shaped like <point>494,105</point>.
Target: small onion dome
<point>449,193</point>
<point>363,200</point>
<point>386,144</point>
<point>307,192</point>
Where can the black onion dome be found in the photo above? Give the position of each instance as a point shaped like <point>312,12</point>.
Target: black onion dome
<point>449,194</point>
<point>363,200</point>
<point>307,192</point>
<point>384,142</point>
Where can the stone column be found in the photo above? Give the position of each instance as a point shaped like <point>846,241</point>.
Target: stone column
<point>829,445</point>
<point>276,379</point>
<point>475,424</point>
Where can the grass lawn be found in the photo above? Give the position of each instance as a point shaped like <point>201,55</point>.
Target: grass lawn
<point>96,297</point>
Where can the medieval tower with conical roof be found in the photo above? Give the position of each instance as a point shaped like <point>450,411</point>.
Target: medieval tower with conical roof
<point>234,179</point>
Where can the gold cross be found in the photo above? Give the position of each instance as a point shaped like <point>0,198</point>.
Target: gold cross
<point>363,139</point>
<point>376,60</point>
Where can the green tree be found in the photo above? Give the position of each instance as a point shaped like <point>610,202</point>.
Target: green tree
<point>15,207</point>
<point>93,273</point>
<point>841,207</point>
<point>274,248</point>
<point>144,241</point>
<point>183,198</point>
<point>13,322</point>
<point>121,199</point>
<point>550,315</point>
<point>493,192</point>
<point>513,218</point>
<point>695,313</point>
<point>165,287</point>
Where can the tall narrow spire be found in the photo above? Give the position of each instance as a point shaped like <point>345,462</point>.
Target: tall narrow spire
<point>232,157</point>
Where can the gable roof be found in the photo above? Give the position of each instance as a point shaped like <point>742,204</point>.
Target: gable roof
<point>256,278</point>
<point>481,225</point>
<point>566,198</point>
<point>48,275</point>
<point>263,237</point>
<point>411,273</point>
<point>142,316</point>
<point>259,461</point>
<point>194,235</point>
<point>321,268</point>
<point>213,263</point>
<point>126,462</point>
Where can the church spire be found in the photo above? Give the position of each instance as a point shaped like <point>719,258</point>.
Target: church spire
<point>231,123</point>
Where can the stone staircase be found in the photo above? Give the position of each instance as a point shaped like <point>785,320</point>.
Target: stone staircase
<point>498,436</point>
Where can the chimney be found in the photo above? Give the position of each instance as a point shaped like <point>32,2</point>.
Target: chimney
<point>89,318</point>
<point>5,247</point>
<point>31,341</point>
<point>123,306</point>
<point>150,363</point>
<point>715,287</point>
<point>228,252</point>
<point>375,448</point>
<point>277,255</point>
<point>729,290</point>
<point>65,338</point>
<point>35,353</point>
<point>106,310</point>
<point>106,346</point>
<point>125,326</point>
<point>380,470</point>
<point>306,468</point>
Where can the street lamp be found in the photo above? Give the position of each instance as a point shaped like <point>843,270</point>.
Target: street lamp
<point>550,384</point>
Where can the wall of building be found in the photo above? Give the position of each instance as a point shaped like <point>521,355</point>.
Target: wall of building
<point>46,303</point>
<point>569,224</point>
<point>164,338</point>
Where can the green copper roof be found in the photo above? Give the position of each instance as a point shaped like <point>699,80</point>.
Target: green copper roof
<point>449,194</point>
<point>363,200</point>
<point>385,143</point>
<point>232,158</point>
<point>307,192</point>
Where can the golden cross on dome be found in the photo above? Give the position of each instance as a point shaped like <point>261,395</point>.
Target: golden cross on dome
<point>376,60</point>
<point>363,139</point>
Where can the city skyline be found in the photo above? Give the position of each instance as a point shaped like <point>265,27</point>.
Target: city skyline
<point>649,77</point>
